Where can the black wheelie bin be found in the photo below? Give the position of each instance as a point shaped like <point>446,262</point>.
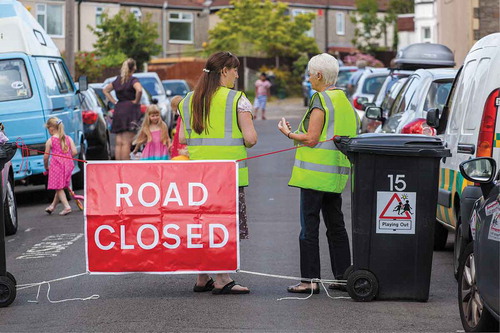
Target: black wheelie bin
<point>394,199</point>
<point>7,280</point>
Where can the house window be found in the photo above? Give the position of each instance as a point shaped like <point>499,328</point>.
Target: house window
<point>98,15</point>
<point>426,32</point>
<point>50,17</point>
<point>181,27</point>
<point>295,12</point>
<point>137,13</point>
<point>340,23</point>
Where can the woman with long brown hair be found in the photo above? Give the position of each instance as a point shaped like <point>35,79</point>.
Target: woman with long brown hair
<point>217,124</point>
<point>127,109</point>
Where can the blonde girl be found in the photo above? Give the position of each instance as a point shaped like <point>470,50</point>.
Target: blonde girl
<point>60,166</point>
<point>154,134</point>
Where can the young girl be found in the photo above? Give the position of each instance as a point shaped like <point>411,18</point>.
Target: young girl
<point>153,133</point>
<point>61,164</point>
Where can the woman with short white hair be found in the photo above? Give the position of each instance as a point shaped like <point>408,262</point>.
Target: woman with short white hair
<point>321,172</point>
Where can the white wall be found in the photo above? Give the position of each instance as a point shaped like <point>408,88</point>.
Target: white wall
<point>425,20</point>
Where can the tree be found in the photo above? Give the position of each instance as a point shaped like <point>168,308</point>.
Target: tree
<point>123,36</point>
<point>398,7</point>
<point>261,28</point>
<point>369,28</point>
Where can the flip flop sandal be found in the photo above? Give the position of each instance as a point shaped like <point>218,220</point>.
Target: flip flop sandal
<point>49,210</point>
<point>295,289</point>
<point>228,290</point>
<point>207,287</point>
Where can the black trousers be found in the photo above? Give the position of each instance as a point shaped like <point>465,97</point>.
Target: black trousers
<point>330,205</point>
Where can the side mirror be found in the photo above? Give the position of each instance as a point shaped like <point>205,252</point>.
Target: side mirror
<point>374,113</point>
<point>433,118</point>
<point>169,92</point>
<point>480,170</point>
<point>83,84</point>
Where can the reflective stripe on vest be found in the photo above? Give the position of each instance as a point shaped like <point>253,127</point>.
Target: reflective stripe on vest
<point>226,145</point>
<point>323,167</point>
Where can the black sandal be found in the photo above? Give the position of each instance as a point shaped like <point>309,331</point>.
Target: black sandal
<point>228,290</point>
<point>207,287</point>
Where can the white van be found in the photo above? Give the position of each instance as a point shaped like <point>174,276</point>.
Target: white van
<point>470,127</point>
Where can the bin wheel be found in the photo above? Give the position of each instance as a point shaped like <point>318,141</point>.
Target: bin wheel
<point>362,286</point>
<point>348,272</point>
<point>7,291</point>
<point>11,277</point>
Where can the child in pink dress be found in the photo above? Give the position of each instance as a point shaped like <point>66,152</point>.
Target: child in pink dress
<point>62,149</point>
<point>153,133</point>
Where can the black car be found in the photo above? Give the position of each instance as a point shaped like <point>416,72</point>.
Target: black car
<point>479,264</point>
<point>95,125</point>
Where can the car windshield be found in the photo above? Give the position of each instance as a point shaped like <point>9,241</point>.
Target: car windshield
<point>393,93</point>
<point>344,77</point>
<point>437,95</point>
<point>177,88</point>
<point>14,82</point>
<point>373,84</point>
<point>151,85</point>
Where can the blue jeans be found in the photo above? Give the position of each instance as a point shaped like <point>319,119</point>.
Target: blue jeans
<point>330,205</point>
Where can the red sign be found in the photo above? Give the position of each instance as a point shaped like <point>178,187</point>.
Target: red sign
<point>162,217</point>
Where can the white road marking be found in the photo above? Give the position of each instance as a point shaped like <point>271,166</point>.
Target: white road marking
<point>50,246</point>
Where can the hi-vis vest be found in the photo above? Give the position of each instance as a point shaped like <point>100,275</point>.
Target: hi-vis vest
<point>324,167</point>
<point>224,140</point>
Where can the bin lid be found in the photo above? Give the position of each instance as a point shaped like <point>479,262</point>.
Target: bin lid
<point>393,144</point>
<point>425,55</point>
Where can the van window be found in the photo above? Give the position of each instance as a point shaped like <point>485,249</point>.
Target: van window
<point>461,97</point>
<point>476,101</point>
<point>14,81</point>
<point>49,76</point>
<point>62,79</point>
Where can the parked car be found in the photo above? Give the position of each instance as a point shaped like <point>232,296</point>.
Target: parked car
<point>345,73</point>
<point>394,76</point>
<point>35,85</point>
<point>470,126</point>
<point>151,82</point>
<point>176,87</point>
<point>479,264</point>
<point>368,86</point>
<point>95,125</point>
<point>373,125</point>
<point>425,89</point>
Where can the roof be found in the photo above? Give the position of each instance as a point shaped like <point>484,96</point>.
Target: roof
<point>22,33</point>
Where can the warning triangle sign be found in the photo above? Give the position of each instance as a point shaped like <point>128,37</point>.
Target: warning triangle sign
<point>394,210</point>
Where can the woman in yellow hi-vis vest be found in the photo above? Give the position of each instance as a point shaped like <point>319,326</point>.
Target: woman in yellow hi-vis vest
<point>218,125</point>
<point>321,172</point>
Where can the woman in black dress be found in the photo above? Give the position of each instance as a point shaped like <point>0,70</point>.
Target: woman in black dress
<point>127,108</point>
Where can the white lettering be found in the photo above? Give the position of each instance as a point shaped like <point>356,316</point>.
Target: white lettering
<point>123,242</point>
<point>191,194</point>
<point>98,241</point>
<point>125,196</point>
<point>157,194</point>
<point>171,236</point>
<point>172,188</point>
<point>155,236</point>
<point>191,235</point>
<point>211,235</point>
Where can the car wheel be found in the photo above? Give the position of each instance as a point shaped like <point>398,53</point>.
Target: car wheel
<point>440,236</point>
<point>458,248</point>
<point>10,208</point>
<point>78,179</point>
<point>475,317</point>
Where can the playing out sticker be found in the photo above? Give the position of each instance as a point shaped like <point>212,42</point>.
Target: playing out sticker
<point>396,212</point>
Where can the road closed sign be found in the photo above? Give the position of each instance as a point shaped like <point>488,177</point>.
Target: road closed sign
<point>161,217</point>
<point>396,212</point>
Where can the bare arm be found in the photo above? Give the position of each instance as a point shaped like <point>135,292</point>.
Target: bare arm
<point>138,92</point>
<point>107,92</point>
<point>74,152</point>
<point>245,120</point>
<point>310,138</point>
<point>48,145</point>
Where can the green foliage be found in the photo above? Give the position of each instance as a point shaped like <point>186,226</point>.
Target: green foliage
<point>398,7</point>
<point>372,28</point>
<point>285,83</point>
<point>261,28</point>
<point>86,63</point>
<point>123,36</point>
